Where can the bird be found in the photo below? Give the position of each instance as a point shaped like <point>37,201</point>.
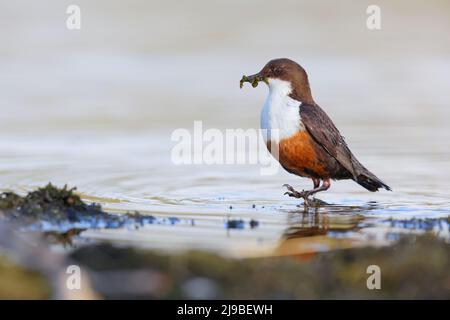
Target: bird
<point>301,136</point>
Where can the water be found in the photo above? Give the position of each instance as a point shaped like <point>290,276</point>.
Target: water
<point>95,109</point>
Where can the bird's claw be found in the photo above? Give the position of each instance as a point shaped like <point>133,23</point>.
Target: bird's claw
<point>289,187</point>
<point>294,193</point>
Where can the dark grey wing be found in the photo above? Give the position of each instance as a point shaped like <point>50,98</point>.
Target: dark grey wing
<point>325,133</point>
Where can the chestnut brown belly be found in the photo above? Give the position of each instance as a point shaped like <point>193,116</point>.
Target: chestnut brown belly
<point>301,155</point>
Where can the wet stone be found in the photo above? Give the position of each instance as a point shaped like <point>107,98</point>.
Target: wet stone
<point>51,209</point>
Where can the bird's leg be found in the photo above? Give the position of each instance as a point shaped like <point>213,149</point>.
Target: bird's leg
<point>294,193</point>
<point>324,187</point>
<point>316,182</point>
<point>305,194</point>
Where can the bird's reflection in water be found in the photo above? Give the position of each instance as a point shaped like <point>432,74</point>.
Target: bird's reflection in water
<point>322,219</point>
<point>319,228</point>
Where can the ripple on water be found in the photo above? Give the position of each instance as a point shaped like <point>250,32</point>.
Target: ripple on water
<point>254,228</point>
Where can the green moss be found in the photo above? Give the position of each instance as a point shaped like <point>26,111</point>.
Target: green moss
<point>241,82</point>
<point>51,209</point>
<point>47,200</point>
<point>254,82</point>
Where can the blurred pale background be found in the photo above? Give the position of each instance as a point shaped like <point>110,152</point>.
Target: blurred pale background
<point>95,107</point>
<point>147,64</point>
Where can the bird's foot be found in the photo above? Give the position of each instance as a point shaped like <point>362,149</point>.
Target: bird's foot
<point>296,194</point>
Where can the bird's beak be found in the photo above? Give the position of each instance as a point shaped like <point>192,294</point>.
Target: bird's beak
<point>253,79</point>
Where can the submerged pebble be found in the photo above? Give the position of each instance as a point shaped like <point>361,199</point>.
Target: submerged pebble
<point>240,224</point>
<point>235,224</point>
<point>254,223</point>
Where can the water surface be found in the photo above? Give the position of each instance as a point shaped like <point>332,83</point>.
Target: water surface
<point>95,109</point>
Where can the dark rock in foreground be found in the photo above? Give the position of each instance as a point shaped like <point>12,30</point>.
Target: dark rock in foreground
<point>51,209</point>
<point>415,267</point>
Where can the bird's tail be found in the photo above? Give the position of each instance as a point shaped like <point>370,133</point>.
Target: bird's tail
<point>366,178</point>
<point>371,182</point>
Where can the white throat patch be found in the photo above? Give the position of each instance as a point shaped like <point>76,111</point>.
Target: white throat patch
<point>280,116</point>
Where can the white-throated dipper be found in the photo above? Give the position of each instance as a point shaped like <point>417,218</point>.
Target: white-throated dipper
<point>308,143</point>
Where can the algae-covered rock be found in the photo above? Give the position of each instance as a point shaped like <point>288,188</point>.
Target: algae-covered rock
<point>61,209</point>
<point>46,202</point>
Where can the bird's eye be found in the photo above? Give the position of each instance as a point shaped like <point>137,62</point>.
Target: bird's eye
<point>276,70</point>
